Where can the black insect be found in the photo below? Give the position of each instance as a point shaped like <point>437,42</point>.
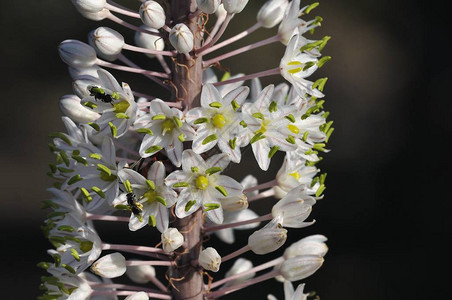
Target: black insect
<point>100,95</point>
<point>135,207</point>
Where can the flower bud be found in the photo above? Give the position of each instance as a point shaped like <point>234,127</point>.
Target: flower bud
<point>209,259</point>
<point>300,267</point>
<point>181,38</point>
<point>294,208</point>
<point>311,245</point>
<point>269,238</point>
<point>272,12</point>
<point>110,266</point>
<point>149,41</point>
<point>138,296</point>
<point>70,106</point>
<point>221,12</point>
<point>91,6</point>
<point>95,16</point>
<point>171,239</point>
<point>235,203</point>
<point>240,265</point>
<point>140,274</point>
<point>234,6</point>
<point>77,54</point>
<point>106,41</point>
<point>152,14</point>
<point>208,6</point>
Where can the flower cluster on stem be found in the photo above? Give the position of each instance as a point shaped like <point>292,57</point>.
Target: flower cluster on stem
<point>164,165</point>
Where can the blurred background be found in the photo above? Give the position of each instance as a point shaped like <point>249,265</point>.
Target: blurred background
<point>385,210</point>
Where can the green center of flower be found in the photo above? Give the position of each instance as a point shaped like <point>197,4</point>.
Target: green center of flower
<point>295,175</point>
<point>218,120</point>
<point>168,125</point>
<point>202,182</point>
<point>293,128</point>
<point>121,107</point>
<point>150,196</point>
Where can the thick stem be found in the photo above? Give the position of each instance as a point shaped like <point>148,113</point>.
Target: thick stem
<point>187,70</point>
<point>185,278</point>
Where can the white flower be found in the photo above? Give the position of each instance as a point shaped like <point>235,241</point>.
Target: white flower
<point>293,173</point>
<point>138,296</point>
<point>171,240</point>
<point>217,121</point>
<point>95,176</point>
<point>234,6</point>
<point>296,66</point>
<point>203,185</point>
<point>208,6</point>
<point>294,208</point>
<point>165,129</point>
<point>292,21</point>
<point>115,103</point>
<point>110,266</point>
<point>264,119</point>
<point>290,293</point>
<point>181,38</point>
<point>272,12</point>
<point>107,42</point>
<point>152,14</point>
<point>209,259</point>
<point>92,278</point>
<point>66,286</point>
<point>300,267</point>
<point>269,238</point>
<point>149,41</point>
<point>140,274</point>
<point>77,54</point>
<point>311,245</point>
<point>150,195</point>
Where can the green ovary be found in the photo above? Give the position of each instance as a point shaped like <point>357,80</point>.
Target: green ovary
<point>150,196</point>
<point>105,177</point>
<point>168,125</point>
<point>218,120</point>
<point>121,107</point>
<point>202,182</point>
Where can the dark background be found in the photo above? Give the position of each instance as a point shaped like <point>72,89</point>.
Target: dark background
<point>386,206</point>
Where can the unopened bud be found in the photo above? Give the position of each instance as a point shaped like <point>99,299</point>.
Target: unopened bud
<point>106,41</point>
<point>234,6</point>
<point>208,6</point>
<point>70,106</point>
<point>149,41</point>
<point>110,266</point>
<point>171,239</point>
<point>138,296</point>
<point>91,6</point>
<point>181,38</point>
<point>152,14</point>
<point>95,16</point>
<point>221,12</point>
<point>300,267</point>
<point>311,245</point>
<point>209,259</point>
<point>235,203</point>
<point>269,238</point>
<point>294,208</point>
<point>77,54</point>
<point>140,274</point>
<point>272,12</point>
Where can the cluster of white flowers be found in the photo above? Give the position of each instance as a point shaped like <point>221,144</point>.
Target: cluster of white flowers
<point>133,158</point>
